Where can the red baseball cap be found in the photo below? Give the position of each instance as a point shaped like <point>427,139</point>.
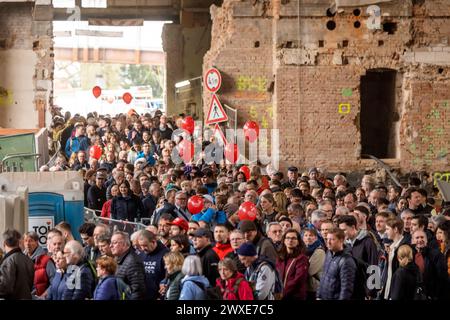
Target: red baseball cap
<point>180,222</point>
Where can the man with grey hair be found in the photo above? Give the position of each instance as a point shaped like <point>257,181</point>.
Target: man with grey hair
<point>181,210</point>
<point>327,207</point>
<point>317,217</point>
<point>342,211</point>
<point>80,283</point>
<point>252,196</point>
<point>339,180</point>
<point>16,269</point>
<point>130,266</point>
<point>274,232</point>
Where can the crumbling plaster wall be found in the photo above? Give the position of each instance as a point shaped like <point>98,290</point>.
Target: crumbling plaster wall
<point>26,66</point>
<point>312,65</point>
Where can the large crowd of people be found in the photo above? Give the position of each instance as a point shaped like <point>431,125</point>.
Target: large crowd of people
<point>315,236</point>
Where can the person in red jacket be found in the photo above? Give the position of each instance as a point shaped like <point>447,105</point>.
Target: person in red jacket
<point>106,209</point>
<point>232,283</point>
<point>292,265</point>
<point>222,238</point>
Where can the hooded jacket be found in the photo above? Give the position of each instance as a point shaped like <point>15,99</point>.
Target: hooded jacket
<point>235,288</point>
<point>154,269</point>
<point>364,248</point>
<point>13,286</point>
<point>44,270</point>
<point>194,288</point>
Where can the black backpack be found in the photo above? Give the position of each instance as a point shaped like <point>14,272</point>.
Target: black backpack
<point>360,291</point>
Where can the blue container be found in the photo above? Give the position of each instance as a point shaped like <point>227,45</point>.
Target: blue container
<point>47,204</point>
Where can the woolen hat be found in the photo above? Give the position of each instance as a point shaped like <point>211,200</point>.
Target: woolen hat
<point>247,249</point>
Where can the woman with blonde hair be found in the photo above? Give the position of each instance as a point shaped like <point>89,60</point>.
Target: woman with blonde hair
<point>406,277</point>
<point>170,287</point>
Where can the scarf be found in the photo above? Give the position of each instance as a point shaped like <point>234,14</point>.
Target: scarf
<point>310,249</point>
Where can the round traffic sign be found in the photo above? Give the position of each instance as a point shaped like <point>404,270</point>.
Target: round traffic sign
<point>213,80</point>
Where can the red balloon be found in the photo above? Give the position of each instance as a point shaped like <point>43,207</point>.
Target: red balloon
<point>188,124</point>
<point>95,152</point>
<point>195,204</point>
<point>231,152</point>
<point>127,97</point>
<point>246,171</point>
<point>97,91</point>
<point>251,131</point>
<point>247,211</point>
<point>186,150</point>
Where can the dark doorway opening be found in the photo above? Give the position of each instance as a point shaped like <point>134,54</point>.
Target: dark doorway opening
<point>377,113</point>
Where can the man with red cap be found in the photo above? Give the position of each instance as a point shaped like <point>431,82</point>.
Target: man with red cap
<point>178,226</point>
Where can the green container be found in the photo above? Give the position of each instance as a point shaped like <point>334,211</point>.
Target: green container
<point>24,146</point>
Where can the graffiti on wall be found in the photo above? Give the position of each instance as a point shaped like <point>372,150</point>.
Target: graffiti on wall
<point>431,135</point>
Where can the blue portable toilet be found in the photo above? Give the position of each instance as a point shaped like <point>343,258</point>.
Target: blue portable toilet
<point>53,197</point>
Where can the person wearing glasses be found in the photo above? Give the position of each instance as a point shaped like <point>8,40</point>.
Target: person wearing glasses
<point>275,233</point>
<point>80,281</point>
<point>236,239</point>
<point>292,265</point>
<point>181,210</point>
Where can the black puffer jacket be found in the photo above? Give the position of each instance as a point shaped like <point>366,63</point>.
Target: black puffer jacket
<point>131,270</point>
<point>16,276</point>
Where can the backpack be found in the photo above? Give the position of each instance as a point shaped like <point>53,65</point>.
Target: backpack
<point>360,291</point>
<point>211,293</point>
<point>278,287</point>
<point>123,289</point>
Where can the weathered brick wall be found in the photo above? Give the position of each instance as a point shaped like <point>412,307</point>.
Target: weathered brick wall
<point>314,68</point>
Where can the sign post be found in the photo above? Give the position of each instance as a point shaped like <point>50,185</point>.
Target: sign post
<point>213,80</point>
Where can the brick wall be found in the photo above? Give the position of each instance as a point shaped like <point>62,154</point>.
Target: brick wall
<point>312,65</point>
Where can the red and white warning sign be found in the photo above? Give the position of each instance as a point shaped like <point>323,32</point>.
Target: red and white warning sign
<point>219,136</point>
<point>213,80</point>
<point>216,113</point>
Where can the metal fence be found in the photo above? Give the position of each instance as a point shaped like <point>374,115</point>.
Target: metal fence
<point>130,227</point>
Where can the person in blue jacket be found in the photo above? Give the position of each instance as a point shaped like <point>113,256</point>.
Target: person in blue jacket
<point>194,284</point>
<point>78,142</point>
<point>107,286</point>
<point>209,214</point>
<point>58,284</point>
<point>152,252</point>
<point>80,281</point>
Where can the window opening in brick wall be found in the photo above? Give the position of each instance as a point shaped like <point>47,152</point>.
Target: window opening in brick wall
<point>356,12</point>
<point>357,24</point>
<point>377,113</point>
<point>390,27</point>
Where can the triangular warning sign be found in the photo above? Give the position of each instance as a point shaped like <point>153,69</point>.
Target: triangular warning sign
<point>219,136</point>
<point>216,113</point>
